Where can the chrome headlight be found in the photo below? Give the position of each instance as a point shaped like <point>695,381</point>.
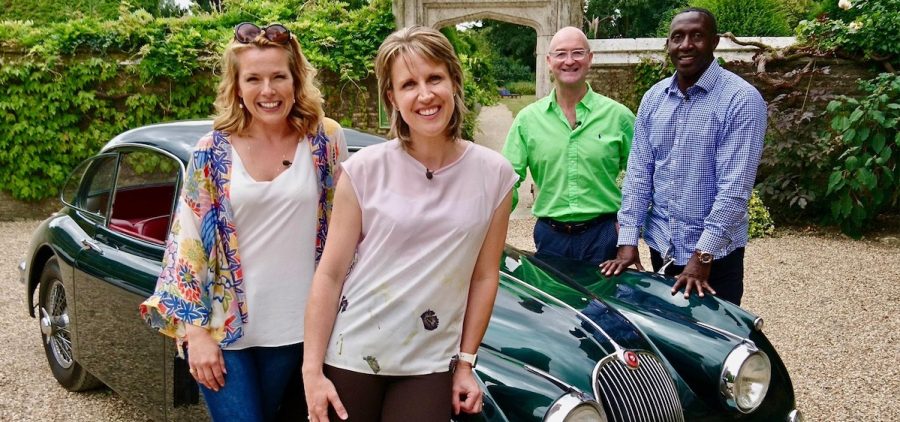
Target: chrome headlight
<point>575,407</point>
<point>745,377</point>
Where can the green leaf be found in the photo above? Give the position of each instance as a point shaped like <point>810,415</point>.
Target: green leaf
<point>849,136</point>
<point>862,134</point>
<point>835,182</point>
<point>866,178</point>
<point>878,141</point>
<point>855,116</point>
<point>833,105</point>
<point>852,163</point>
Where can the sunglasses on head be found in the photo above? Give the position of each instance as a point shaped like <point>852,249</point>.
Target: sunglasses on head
<point>246,32</point>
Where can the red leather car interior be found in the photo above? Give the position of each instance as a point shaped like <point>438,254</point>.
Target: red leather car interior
<point>143,212</point>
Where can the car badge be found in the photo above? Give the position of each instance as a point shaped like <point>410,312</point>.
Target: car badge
<point>630,358</point>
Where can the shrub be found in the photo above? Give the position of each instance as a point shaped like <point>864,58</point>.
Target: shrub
<point>761,224</point>
<point>866,179</point>
<point>799,153</point>
<point>521,87</point>
<point>870,30</point>
<point>507,69</point>
<point>743,18</point>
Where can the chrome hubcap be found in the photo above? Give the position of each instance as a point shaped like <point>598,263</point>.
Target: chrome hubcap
<point>55,325</point>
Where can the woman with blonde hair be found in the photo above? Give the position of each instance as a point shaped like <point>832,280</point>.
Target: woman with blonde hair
<point>427,213</point>
<point>250,227</point>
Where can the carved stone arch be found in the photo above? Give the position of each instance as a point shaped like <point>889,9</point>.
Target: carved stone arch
<point>518,20</point>
<point>544,16</point>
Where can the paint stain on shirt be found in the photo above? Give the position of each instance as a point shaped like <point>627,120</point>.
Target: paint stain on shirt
<point>430,320</point>
<point>373,363</point>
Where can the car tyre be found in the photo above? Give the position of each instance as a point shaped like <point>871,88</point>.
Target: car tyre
<point>56,336</point>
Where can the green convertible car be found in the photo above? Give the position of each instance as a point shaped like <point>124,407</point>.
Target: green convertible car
<point>564,342</point>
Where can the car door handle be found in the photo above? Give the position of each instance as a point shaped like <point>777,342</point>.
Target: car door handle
<point>90,244</point>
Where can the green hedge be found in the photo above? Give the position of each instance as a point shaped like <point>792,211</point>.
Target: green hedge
<point>67,88</point>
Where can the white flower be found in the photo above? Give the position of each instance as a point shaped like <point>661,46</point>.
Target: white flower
<point>854,26</point>
<point>844,4</point>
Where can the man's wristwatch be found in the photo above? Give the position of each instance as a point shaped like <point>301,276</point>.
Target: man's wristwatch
<point>704,257</point>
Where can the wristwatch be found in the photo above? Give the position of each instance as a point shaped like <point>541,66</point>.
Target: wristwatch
<point>469,358</point>
<point>705,257</point>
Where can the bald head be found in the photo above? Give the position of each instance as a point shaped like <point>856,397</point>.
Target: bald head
<point>569,59</point>
<point>569,35</point>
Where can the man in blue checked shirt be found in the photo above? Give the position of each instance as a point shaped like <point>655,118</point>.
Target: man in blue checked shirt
<point>697,142</point>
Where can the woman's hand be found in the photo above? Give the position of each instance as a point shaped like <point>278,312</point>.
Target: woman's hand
<point>205,358</point>
<point>320,393</point>
<point>467,396</point>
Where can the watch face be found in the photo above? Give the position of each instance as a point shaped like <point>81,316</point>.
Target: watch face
<point>706,257</point>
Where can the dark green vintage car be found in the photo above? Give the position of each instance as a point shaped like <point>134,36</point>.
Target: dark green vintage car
<point>564,342</point>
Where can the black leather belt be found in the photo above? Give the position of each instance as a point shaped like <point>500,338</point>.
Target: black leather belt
<point>576,227</point>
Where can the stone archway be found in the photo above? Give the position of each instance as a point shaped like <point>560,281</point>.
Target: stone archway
<point>544,16</point>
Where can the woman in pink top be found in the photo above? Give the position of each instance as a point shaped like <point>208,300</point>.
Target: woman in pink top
<point>426,215</point>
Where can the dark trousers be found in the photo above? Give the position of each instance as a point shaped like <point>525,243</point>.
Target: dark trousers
<point>386,398</point>
<point>726,276</point>
<point>595,244</point>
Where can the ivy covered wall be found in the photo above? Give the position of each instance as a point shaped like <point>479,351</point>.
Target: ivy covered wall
<point>67,88</point>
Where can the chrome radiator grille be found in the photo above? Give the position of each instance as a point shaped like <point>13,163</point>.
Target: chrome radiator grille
<point>643,394</point>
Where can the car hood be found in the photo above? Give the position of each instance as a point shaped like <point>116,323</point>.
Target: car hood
<point>552,326</point>
<point>573,316</point>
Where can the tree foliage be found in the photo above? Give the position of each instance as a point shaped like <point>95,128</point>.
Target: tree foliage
<point>515,42</point>
<point>626,18</point>
<point>743,18</point>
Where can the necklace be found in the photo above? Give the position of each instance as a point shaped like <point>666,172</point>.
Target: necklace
<point>442,162</point>
<point>268,171</point>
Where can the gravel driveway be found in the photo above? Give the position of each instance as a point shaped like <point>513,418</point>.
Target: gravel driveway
<point>831,307</point>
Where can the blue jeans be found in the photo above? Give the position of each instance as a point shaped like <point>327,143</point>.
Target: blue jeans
<point>255,383</point>
<point>594,245</point>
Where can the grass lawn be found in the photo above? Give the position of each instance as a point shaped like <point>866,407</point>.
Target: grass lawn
<point>516,104</point>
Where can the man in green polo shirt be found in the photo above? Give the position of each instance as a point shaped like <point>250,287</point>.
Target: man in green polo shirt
<point>576,143</point>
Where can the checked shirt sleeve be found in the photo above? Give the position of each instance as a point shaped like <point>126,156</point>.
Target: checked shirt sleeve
<point>737,158</point>
<point>638,186</point>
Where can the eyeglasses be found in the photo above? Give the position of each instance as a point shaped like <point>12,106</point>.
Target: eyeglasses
<point>246,32</point>
<point>562,55</point>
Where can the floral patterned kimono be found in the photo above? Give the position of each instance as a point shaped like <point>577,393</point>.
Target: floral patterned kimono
<point>201,281</point>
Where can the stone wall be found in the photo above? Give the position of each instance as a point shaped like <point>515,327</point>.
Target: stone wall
<point>353,104</point>
<point>14,209</point>
<point>617,80</point>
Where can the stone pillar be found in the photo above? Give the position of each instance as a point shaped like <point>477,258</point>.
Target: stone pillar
<point>545,16</point>
<point>542,83</point>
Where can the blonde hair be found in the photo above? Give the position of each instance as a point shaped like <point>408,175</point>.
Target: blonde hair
<point>430,44</point>
<point>306,111</point>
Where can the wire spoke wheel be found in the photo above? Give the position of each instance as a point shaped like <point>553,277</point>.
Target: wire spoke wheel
<point>53,306</point>
<point>55,324</point>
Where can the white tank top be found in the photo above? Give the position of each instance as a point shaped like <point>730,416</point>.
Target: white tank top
<point>275,223</point>
<point>402,305</point>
